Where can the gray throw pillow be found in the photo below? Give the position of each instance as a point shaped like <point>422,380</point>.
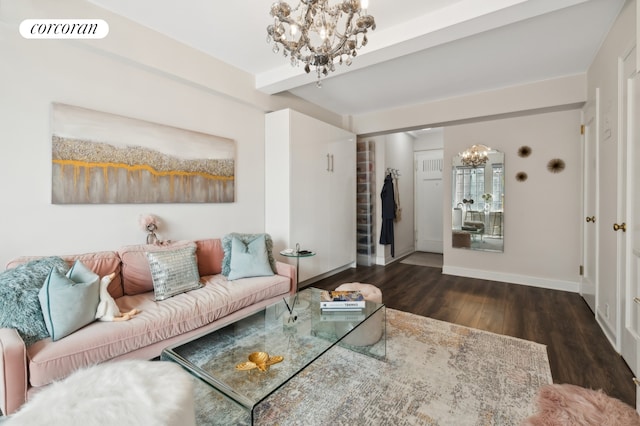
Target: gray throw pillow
<point>69,302</point>
<point>245,238</point>
<point>19,304</point>
<point>173,272</point>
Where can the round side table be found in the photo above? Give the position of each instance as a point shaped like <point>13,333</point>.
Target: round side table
<point>297,254</point>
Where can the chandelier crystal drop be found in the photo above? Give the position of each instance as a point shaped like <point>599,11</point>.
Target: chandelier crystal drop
<point>317,34</point>
<point>475,156</point>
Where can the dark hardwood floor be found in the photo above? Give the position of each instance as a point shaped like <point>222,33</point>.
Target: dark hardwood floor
<point>579,352</point>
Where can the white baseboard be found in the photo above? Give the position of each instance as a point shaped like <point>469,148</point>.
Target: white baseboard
<point>571,286</point>
<point>386,260</point>
<point>312,280</point>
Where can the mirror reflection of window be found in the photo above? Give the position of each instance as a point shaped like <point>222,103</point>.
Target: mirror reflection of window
<point>497,186</point>
<point>469,187</point>
<point>478,203</point>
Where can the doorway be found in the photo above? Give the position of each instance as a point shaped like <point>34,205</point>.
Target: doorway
<point>429,200</point>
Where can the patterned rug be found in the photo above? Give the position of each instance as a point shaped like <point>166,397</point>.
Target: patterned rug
<point>435,373</point>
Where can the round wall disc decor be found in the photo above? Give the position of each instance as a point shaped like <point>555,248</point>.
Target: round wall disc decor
<point>521,176</point>
<point>556,165</point>
<point>524,151</point>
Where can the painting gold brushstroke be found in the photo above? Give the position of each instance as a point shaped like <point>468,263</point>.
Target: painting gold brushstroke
<point>89,172</point>
<point>100,158</point>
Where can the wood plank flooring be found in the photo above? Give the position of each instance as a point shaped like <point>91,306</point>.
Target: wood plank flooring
<point>579,353</point>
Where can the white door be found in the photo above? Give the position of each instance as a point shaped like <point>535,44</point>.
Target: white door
<point>588,283</point>
<point>611,293</point>
<point>309,196</point>
<point>631,334</point>
<point>633,223</point>
<point>627,345</point>
<point>428,201</point>
<point>342,200</point>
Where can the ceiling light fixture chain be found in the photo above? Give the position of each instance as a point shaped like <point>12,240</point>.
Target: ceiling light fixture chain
<point>311,33</point>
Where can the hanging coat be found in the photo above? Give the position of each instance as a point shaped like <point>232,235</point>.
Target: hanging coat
<point>388,213</point>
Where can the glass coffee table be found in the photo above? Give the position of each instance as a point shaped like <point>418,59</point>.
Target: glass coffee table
<point>220,358</point>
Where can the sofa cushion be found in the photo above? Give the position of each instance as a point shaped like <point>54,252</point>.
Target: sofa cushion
<point>249,259</point>
<point>136,274</point>
<point>157,321</point>
<point>69,302</point>
<point>246,238</point>
<point>101,262</point>
<point>19,303</point>
<point>209,253</point>
<point>173,271</point>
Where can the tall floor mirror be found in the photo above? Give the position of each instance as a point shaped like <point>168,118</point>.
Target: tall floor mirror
<point>477,214</point>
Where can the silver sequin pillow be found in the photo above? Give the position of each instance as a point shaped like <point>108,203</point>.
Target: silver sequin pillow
<point>173,272</point>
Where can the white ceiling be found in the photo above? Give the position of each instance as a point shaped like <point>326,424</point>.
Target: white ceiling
<point>421,50</point>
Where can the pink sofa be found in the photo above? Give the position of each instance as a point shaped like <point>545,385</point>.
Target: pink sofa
<point>23,370</point>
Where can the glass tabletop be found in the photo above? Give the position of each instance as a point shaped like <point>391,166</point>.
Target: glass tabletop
<point>293,253</point>
<point>214,356</point>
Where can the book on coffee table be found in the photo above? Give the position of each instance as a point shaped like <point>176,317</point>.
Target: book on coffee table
<point>342,315</point>
<point>341,300</point>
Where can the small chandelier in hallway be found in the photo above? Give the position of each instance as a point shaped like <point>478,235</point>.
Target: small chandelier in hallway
<point>475,156</point>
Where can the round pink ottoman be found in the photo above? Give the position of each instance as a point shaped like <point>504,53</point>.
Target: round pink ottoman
<point>369,291</point>
<point>370,332</point>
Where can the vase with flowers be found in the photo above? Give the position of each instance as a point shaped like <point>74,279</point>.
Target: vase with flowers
<point>487,201</point>
<point>150,223</point>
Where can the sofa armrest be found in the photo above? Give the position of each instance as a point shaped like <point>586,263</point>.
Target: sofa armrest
<point>13,371</point>
<point>287,270</point>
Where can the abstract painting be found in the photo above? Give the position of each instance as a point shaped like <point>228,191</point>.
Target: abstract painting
<point>101,158</point>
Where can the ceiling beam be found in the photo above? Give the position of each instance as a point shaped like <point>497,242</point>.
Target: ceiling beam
<point>454,22</point>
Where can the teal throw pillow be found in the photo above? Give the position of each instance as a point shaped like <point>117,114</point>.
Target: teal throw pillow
<point>249,259</point>
<point>246,238</point>
<point>69,301</point>
<point>173,271</point>
<point>19,304</point>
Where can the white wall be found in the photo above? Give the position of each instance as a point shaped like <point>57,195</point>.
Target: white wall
<point>135,73</point>
<point>541,215</point>
<point>431,139</point>
<point>560,93</point>
<point>395,151</point>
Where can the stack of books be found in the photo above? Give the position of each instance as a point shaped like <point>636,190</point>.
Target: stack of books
<point>341,301</point>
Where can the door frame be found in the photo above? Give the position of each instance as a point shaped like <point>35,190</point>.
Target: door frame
<point>590,113</point>
<point>417,194</point>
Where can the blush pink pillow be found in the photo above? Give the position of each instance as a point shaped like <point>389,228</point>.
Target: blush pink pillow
<point>209,253</point>
<point>101,262</point>
<point>136,274</point>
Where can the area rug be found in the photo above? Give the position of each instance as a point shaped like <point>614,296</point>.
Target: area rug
<point>435,373</point>
<point>421,258</point>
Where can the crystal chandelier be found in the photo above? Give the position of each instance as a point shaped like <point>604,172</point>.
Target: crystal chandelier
<point>475,156</point>
<point>318,34</point>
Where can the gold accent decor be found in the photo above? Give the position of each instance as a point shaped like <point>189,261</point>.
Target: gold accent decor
<point>259,360</point>
<point>475,156</point>
<point>556,165</point>
<point>622,226</point>
<point>524,151</point>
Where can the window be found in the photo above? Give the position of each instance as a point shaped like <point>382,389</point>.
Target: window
<point>470,185</point>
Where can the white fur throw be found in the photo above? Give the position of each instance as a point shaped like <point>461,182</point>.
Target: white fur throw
<point>132,392</point>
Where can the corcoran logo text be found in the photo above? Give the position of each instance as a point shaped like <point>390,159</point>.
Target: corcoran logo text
<point>64,28</point>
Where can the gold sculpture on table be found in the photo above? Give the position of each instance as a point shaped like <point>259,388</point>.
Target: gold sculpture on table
<point>259,360</point>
